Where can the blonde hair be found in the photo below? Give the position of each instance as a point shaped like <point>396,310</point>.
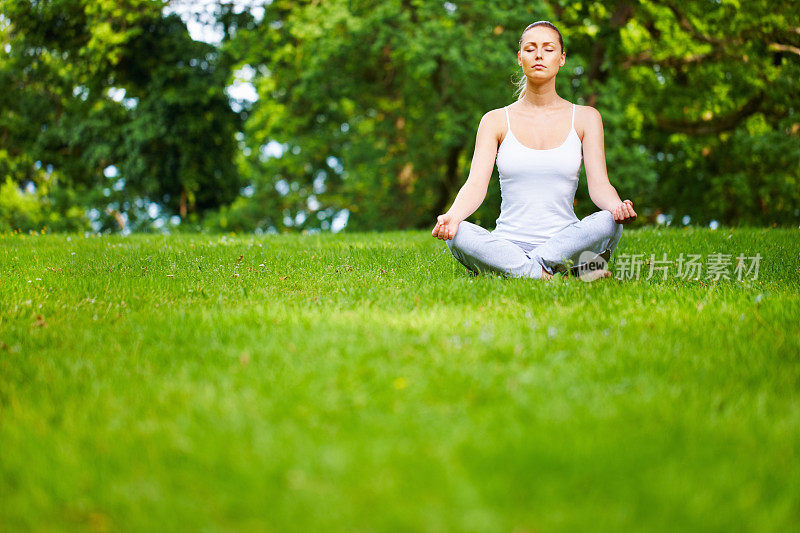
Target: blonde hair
<point>522,82</point>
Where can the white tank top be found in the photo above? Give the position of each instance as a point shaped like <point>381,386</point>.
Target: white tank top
<point>537,187</point>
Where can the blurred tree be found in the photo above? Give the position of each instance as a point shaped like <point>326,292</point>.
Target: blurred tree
<point>372,107</point>
<point>91,83</point>
<point>376,105</point>
<point>709,90</point>
<point>178,145</point>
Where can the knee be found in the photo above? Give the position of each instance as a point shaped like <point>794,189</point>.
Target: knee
<point>613,232</point>
<point>454,244</point>
<point>460,237</point>
<point>609,226</point>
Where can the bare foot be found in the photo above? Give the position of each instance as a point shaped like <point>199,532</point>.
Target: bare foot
<point>592,275</point>
<point>546,275</point>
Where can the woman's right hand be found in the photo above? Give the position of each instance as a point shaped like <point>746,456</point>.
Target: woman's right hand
<point>624,213</point>
<point>446,227</point>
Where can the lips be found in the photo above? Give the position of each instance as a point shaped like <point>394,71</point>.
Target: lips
<point>539,66</point>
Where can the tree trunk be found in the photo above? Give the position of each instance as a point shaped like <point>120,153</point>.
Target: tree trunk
<point>448,186</point>
<point>183,203</point>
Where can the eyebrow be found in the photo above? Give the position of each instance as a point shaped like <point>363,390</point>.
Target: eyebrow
<point>531,42</point>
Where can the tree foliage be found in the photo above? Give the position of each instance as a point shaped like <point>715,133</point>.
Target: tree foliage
<point>371,108</point>
<point>93,83</point>
<point>698,102</point>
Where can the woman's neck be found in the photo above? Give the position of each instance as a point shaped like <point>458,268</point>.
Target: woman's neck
<point>541,96</point>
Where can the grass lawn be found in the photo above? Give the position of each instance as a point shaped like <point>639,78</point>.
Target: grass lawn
<point>366,382</point>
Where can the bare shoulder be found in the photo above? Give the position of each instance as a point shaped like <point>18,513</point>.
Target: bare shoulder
<point>495,117</point>
<point>586,114</point>
<point>493,123</point>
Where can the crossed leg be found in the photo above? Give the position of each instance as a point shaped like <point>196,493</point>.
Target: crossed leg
<point>480,251</point>
<point>598,233</point>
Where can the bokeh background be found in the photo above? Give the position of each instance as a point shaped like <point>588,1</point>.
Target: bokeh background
<point>141,115</point>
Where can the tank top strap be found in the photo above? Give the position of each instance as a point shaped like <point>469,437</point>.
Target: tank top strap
<point>508,121</point>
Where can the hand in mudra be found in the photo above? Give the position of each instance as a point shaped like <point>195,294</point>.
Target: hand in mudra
<point>624,213</point>
<point>446,227</point>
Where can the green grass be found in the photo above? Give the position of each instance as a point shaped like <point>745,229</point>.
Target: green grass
<point>365,382</point>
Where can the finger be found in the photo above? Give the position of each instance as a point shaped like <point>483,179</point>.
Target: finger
<point>627,210</point>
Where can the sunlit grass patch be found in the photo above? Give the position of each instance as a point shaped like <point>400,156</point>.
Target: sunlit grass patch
<point>366,381</point>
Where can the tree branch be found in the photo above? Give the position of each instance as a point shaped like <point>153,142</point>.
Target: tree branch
<point>646,58</point>
<point>688,26</point>
<point>780,47</point>
<point>723,123</point>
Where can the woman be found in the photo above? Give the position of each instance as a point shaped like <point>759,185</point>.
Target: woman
<point>538,142</point>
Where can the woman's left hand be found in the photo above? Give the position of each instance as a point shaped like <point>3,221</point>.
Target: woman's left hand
<point>624,213</point>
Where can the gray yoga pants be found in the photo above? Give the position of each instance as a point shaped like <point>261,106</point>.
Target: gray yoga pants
<point>480,251</point>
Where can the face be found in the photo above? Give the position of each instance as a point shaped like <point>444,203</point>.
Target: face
<point>540,54</point>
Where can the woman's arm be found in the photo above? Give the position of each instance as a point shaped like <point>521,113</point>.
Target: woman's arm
<point>602,193</point>
<point>473,192</point>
